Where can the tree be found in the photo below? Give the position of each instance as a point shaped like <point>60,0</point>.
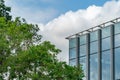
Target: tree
<point>23,55</point>
<point>39,62</point>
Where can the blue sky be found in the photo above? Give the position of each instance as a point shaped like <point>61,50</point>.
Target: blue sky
<point>58,6</point>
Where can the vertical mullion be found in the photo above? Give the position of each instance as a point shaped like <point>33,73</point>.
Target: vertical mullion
<point>112,54</point>
<point>99,55</point>
<point>87,56</point>
<point>77,50</point>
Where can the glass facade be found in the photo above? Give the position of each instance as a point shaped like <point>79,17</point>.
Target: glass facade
<point>98,52</point>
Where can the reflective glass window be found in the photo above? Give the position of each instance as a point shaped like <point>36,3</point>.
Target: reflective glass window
<point>82,39</point>
<point>94,67</point>
<point>106,43</point>
<point>105,32</point>
<point>117,28</point>
<point>83,63</point>
<point>72,62</point>
<point>94,36</point>
<point>117,40</point>
<point>94,47</point>
<point>117,64</point>
<point>106,65</point>
<point>72,53</point>
<point>82,50</point>
<point>72,42</point>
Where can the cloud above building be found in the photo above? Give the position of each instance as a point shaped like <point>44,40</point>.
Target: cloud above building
<point>73,22</point>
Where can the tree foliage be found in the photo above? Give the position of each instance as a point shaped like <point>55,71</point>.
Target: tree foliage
<point>23,56</point>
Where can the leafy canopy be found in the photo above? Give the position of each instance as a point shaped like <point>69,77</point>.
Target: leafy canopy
<point>23,56</point>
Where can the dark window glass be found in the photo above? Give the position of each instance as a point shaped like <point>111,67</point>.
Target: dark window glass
<point>117,64</point>
<point>117,28</point>
<point>117,40</point>
<point>82,39</point>
<point>72,53</point>
<point>106,65</point>
<point>105,32</point>
<point>94,36</point>
<point>72,42</point>
<point>94,67</point>
<point>72,62</point>
<point>94,47</point>
<point>82,50</point>
<point>106,43</point>
<point>83,63</point>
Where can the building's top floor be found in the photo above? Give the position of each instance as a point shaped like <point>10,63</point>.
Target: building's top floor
<point>93,29</point>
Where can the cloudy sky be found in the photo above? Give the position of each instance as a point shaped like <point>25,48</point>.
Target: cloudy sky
<point>61,18</point>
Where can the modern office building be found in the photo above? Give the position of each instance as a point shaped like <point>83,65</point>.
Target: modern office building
<point>98,50</point>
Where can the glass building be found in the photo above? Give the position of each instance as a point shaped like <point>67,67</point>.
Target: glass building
<point>98,50</point>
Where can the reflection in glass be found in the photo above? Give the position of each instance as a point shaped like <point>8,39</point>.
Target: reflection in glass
<point>106,43</point>
<point>117,28</point>
<point>72,53</point>
<point>94,67</point>
<point>82,50</point>
<point>106,65</point>
<point>94,47</point>
<point>117,40</point>
<point>83,39</point>
<point>105,32</point>
<point>72,62</point>
<point>94,36</point>
<point>83,63</point>
<point>117,64</point>
<point>72,42</point>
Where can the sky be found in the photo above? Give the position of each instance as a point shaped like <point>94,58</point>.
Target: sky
<point>58,19</point>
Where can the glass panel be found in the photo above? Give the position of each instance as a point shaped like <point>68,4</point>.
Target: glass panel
<point>72,53</point>
<point>106,43</point>
<point>117,40</point>
<point>105,32</point>
<point>117,28</point>
<point>94,47</point>
<point>83,63</point>
<point>117,64</point>
<point>82,50</point>
<point>82,39</point>
<point>106,65</point>
<point>72,42</point>
<point>94,67</point>
<point>72,62</point>
<point>94,36</point>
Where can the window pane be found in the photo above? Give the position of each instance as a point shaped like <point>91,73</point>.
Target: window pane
<point>105,32</point>
<point>117,28</point>
<point>83,63</point>
<point>72,53</point>
<point>106,65</point>
<point>94,47</point>
<point>106,43</point>
<point>72,42</point>
<point>94,67</point>
<point>94,36</point>
<point>117,64</point>
<point>82,50</point>
<point>83,39</point>
<point>72,62</point>
<point>117,40</point>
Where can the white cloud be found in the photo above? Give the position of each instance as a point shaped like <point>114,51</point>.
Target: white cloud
<point>73,22</point>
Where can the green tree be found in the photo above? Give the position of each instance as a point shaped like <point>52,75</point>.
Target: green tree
<point>24,56</point>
